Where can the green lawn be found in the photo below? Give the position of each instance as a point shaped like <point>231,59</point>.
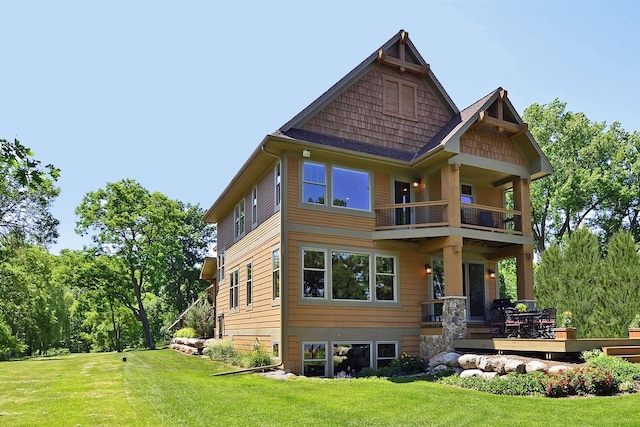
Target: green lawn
<point>166,388</point>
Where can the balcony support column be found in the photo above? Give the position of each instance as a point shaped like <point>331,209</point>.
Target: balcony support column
<point>450,187</point>
<point>522,203</point>
<point>524,272</point>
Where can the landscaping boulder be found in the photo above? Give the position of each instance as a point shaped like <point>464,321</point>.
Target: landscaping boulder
<point>471,373</point>
<point>535,366</point>
<point>558,368</point>
<point>468,361</point>
<point>438,359</point>
<point>451,359</point>
<point>514,366</point>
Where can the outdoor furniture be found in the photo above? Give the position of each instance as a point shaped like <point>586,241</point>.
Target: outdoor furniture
<point>486,220</point>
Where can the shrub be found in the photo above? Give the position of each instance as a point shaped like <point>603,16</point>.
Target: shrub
<point>185,333</point>
<point>510,384</point>
<point>621,370</point>
<point>222,351</point>
<point>408,364</point>
<point>635,322</point>
<point>587,380</point>
<point>255,358</point>
<point>200,318</point>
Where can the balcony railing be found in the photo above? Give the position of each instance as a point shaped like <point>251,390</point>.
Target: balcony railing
<point>436,214</point>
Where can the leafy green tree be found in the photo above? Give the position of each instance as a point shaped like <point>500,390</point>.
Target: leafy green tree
<point>27,191</point>
<point>147,232</point>
<point>591,182</point>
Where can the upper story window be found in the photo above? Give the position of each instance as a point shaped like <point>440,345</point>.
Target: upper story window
<point>254,206</point>
<point>278,185</point>
<point>400,98</point>
<point>314,183</point>
<point>221,264</point>
<point>238,218</point>
<point>349,188</point>
<point>466,193</point>
<point>385,278</point>
<point>314,273</point>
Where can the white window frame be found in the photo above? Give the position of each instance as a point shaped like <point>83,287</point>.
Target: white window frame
<point>394,275</point>
<point>322,184</point>
<point>325,270</point>
<point>333,187</point>
<point>249,284</point>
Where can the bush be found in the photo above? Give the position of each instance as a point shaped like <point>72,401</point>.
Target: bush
<point>587,380</point>
<point>200,318</point>
<point>510,384</point>
<point>185,333</point>
<point>408,364</point>
<point>257,357</point>
<point>621,370</point>
<point>222,351</point>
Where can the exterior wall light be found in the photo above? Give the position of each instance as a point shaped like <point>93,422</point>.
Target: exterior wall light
<point>306,153</point>
<point>428,269</point>
<point>492,274</point>
<point>416,183</point>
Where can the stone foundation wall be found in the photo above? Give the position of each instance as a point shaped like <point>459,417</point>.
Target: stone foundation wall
<point>454,325</point>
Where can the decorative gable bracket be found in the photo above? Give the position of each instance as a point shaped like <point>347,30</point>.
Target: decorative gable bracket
<point>401,63</point>
<point>499,122</point>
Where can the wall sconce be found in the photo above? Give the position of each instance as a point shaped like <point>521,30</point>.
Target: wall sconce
<point>428,269</point>
<point>416,183</point>
<point>306,153</point>
<point>492,274</point>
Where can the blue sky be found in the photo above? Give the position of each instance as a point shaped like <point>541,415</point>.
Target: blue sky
<point>176,95</point>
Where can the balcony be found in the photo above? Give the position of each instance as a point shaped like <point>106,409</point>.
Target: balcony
<point>434,214</point>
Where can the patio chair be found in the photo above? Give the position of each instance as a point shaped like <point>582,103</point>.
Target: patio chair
<point>486,220</point>
<point>547,322</point>
<point>497,321</point>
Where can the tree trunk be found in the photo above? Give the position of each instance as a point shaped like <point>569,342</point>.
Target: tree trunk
<point>142,316</point>
<point>116,330</point>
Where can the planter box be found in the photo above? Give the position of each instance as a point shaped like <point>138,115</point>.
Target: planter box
<point>634,332</point>
<point>565,333</point>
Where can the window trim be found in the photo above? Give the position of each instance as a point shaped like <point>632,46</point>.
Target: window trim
<point>471,196</point>
<point>234,290</point>
<point>327,349</point>
<point>377,358</point>
<point>325,184</point>
<point>377,255</point>
<point>333,187</point>
<point>309,298</point>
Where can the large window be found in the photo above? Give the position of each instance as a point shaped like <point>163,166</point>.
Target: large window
<point>314,273</point>
<point>249,284</point>
<point>238,217</point>
<point>314,184</point>
<point>276,273</point>
<point>233,289</point>
<point>314,359</point>
<point>350,276</point>
<point>350,358</point>
<point>350,189</point>
<point>385,278</point>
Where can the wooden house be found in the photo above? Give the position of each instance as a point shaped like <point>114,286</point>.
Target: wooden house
<point>370,224</point>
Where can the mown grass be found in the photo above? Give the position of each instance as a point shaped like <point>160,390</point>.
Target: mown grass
<point>166,388</point>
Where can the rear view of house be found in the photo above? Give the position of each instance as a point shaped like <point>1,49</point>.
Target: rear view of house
<point>370,224</point>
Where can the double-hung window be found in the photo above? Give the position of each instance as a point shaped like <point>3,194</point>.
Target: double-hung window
<point>275,272</point>
<point>314,273</point>
<point>385,278</point>
<point>254,206</point>
<point>233,289</point>
<point>348,188</point>
<point>238,218</point>
<point>314,185</point>
<point>278,185</point>
<point>249,284</point>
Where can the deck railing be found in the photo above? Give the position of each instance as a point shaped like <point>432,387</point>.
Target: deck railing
<point>436,214</point>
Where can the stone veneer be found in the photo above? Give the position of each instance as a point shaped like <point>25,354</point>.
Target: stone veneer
<point>454,325</point>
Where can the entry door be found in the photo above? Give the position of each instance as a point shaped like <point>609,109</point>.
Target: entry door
<point>403,195</point>
<point>474,289</point>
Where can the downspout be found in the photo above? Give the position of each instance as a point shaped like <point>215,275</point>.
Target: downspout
<point>244,371</point>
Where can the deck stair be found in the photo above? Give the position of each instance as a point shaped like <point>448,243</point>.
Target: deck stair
<point>630,353</point>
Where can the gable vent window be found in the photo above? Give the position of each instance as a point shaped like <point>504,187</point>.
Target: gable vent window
<point>400,99</point>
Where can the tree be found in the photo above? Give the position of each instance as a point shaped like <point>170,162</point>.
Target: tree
<point>147,232</point>
<point>591,178</point>
<point>27,191</point>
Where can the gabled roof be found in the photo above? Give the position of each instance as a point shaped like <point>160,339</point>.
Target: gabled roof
<point>363,68</point>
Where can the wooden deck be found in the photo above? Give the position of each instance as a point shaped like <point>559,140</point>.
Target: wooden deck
<point>550,349</point>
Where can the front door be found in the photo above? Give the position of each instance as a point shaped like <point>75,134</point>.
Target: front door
<point>474,290</point>
<point>402,195</point>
